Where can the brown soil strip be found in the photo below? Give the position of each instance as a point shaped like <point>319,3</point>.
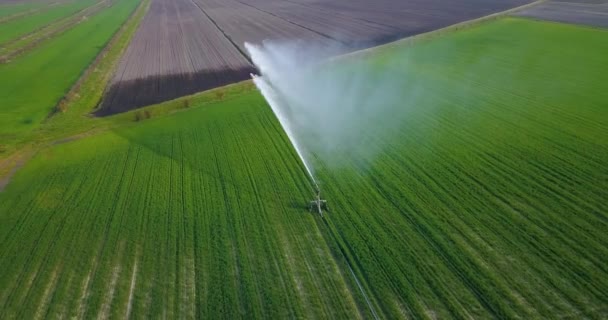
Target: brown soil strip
<point>37,37</point>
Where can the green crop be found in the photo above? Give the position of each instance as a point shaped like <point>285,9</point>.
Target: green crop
<point>488,200</point>
<point>22,26</point>
<point>9,10</point>
<point>31,85</point>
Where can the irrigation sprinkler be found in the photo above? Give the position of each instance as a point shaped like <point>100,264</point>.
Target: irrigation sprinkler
<point>273,98</point>
<point>318,204</point>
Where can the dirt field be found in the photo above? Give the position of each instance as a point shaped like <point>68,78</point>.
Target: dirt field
<point>185,46</point>
<point>584,12</point>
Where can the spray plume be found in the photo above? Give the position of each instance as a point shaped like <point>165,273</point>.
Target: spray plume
<point>329,109</point>
<point>273,100</point>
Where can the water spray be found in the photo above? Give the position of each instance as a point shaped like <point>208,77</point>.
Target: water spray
<point>275,101</point>
<point>326,110</point>
<point>317,204</point>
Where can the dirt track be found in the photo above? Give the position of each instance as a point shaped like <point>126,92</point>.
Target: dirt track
<point>185,46</point>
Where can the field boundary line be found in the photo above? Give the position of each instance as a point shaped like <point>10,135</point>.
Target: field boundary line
<point>437,32</point>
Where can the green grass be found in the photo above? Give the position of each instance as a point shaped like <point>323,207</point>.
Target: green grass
<point>192,214</point>
<point>26,24</point>
<point>31,85</point>
<point>489,200</point>
<point>11,9</point>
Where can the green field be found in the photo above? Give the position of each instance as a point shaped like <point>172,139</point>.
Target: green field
<point>29,23</point>
<point>488,200</point>
<point>52,69</point>
<point>8,10</point>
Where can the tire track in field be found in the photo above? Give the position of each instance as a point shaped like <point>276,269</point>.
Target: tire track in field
<point>450,161</point>
<point>493,194</point>
<point>341,249</point>
<point>353,205</point>
<point>105,235</point>
<point>507,172</point>
<point>51,245</point>
<point>71,242</point>
<point>561,193</point>
<point>440,250</point>
<point>196,227</point>
<point>288,166</point>
<point>145,230</point>
<point>104,310</point>
<point>77,302</point>
<point>412,304</point>
<point>350,269</point>
<point>270,248</point>
<point>444,197</point>
<point>557,190</point>
<point>118,248</point>
<point>348,263</point>
<point>458,267</point>
<point>188,269</point>
<point>256,195</point>
<point>80,300</point>
<point>287,251</point>
<point>47,295</point>
<point>131,289</point>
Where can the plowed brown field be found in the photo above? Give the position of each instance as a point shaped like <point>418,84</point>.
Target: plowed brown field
<point>185,46</point>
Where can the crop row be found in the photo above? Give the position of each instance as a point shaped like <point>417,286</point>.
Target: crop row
<point>11,11</point>
<point>32,84</point>
<point>22,26</point>
<point>486,200</point>
<point>171,220</point>
<point>488,192</point>
<point>28,42</point>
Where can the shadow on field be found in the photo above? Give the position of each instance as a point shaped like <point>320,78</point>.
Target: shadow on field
<point>193,148</point>
<point>132,94</point>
